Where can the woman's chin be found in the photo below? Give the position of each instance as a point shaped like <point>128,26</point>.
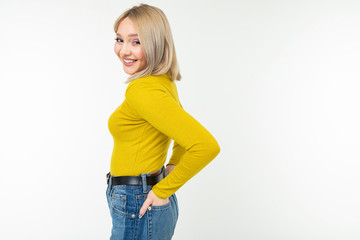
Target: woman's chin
<point>128,72</point>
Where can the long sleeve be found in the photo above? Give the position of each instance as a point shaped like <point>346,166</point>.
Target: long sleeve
<point>177,152</point>
<point>154,103</point>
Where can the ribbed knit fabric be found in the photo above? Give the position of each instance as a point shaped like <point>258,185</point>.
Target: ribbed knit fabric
<point>143,126</point>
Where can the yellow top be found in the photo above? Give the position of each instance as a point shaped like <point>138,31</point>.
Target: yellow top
<point>143,127</point>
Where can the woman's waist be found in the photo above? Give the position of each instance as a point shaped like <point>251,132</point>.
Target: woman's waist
<point>135,168</point>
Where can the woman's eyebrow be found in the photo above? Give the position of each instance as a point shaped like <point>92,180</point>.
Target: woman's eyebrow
<point>130,35</point>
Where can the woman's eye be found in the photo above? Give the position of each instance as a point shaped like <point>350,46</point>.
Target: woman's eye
<point>118,39</point>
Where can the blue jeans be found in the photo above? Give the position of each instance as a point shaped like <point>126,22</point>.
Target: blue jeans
<point>125,201</point>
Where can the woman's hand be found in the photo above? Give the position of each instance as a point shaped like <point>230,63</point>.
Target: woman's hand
<point>152,200</point>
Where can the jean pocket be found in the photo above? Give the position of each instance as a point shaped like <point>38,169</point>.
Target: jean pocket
<point>162,207</point>
<point>118,200</point>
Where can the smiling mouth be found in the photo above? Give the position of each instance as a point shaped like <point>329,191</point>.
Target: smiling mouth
<point>129,60</point>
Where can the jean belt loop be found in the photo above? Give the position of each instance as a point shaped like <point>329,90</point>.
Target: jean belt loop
<point>109,179</point>
<point>144,182</point>
<point>163,171</point>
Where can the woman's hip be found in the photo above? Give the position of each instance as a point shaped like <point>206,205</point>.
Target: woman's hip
<point>124,203</point>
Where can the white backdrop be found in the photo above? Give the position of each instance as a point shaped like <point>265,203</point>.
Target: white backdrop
<point>276,83</point>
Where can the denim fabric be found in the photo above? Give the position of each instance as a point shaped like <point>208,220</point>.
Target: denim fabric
<point>125,201</point>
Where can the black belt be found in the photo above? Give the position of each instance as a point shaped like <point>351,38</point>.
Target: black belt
<point>135,180</point>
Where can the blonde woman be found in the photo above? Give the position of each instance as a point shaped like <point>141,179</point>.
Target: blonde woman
<point>140,191</point>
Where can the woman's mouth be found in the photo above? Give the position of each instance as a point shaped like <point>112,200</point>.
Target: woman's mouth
<point>129,62</point>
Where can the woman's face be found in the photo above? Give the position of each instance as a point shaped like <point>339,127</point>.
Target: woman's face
<point>128,48</point>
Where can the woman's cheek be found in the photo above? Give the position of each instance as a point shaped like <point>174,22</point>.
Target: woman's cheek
<point>116,49</point>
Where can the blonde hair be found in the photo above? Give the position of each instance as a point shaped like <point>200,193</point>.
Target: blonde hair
<point>156,41</point>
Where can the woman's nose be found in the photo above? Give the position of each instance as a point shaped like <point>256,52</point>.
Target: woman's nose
<point>125,50</point>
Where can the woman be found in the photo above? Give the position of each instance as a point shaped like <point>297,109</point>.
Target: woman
<point>141,192</point>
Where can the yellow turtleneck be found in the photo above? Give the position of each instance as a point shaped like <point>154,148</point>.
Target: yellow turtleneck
<point>143,127</point>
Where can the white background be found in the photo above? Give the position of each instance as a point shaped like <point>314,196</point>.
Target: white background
<point>276,83</point>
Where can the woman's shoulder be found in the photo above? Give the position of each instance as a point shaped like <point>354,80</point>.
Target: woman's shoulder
<point>150,88</point>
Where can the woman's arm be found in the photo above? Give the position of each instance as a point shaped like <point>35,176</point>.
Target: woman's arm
<point>154,103</point>
<point>177,152</point>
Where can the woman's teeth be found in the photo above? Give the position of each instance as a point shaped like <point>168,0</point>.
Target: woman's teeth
<point>129,61</point>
